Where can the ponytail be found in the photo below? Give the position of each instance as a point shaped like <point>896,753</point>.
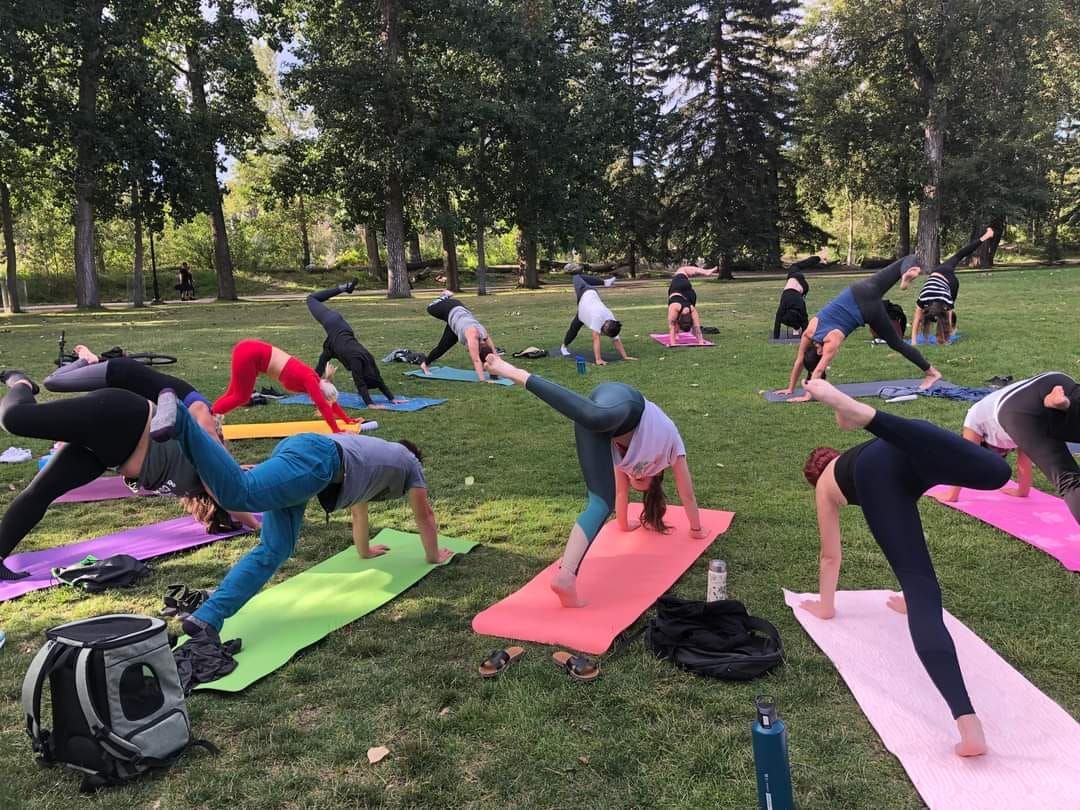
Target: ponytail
<point>655,505</point>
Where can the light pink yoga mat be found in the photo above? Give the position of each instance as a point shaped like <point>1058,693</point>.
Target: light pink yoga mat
<point>1034,743</point>
<point>683,339</point>
<point>623,574</point>
<point>106,488</point>
<point>1040,520</point>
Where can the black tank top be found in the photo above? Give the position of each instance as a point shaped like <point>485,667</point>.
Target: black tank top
<point>844,472</point>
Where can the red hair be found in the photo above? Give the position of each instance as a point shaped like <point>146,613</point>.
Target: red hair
<point>816,463</point>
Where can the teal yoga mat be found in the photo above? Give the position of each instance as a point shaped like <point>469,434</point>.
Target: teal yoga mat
<point>284,619</point>
<point>452,374</point>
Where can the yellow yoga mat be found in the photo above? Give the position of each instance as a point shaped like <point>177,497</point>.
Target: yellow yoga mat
<point>279,430</point>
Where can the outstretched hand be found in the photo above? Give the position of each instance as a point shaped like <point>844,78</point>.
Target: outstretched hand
<point>632,524</point>
<point>399,400</point>
<point>800,398</point>
<point>699,534</point>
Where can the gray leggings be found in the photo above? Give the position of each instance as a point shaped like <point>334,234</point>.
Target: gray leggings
<point>120,372</point>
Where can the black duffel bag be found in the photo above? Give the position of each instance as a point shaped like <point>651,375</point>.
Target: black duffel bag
<point>715,639</point>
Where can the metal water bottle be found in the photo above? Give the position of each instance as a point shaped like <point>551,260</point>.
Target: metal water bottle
<point>771,757</point>
<point>716,588</point>
<point>580,363</point>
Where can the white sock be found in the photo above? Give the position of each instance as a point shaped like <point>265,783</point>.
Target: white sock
<point>565,351</point>
<point>609,282</point>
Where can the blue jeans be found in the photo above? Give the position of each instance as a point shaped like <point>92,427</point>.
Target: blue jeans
<point>300,467</point>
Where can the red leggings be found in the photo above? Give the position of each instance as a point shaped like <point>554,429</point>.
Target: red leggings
<point>251,358</point>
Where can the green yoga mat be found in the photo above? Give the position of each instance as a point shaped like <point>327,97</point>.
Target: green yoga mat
<point>284,619</point>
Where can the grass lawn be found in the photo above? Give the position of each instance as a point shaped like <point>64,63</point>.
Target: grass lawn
<point>646,735</point>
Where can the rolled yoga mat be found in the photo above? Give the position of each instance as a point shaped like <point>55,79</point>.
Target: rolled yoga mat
<point>1034,743</point>
<point>863,389</point>
<point>285,618</point>
<point>1040,520</point>
<point>279,430</point>
<point>683,339</point>
<point>622,575</point>
<point>347,399</point>
<point>106,488</point>
<point>451,374</point>
<point>142,543</point>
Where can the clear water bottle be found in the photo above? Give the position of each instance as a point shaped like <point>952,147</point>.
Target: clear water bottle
<point>366,426</point>
<point>716,588</point>
<point>580,363</point>
<point>3,639</point>
<point>770,739</point>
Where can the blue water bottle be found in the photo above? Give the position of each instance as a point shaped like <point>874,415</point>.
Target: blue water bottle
<point>771,757</point>
<point>580,363</point>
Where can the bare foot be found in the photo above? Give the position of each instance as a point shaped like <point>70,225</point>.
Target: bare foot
<point>850,414</point>
<point>1057,400</point>
<point>932,376</point>
<point>972,742</point>
<point>564,584</point>
<point>898,603</point>
<point>84,353</point>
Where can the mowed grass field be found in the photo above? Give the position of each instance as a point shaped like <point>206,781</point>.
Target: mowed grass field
<point>645,735</point>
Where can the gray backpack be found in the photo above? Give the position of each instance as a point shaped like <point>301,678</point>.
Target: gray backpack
<point>117,707</point>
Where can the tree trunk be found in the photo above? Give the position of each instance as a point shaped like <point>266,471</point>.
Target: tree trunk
<point>87,294</point>
<point>371,247</point>
<point>984,254</point>
<point>928,251</point>
<point>725,263</point>
<point>208,169</point>
<point>9,284</point>
<point>850,229</point>
<point>450,265</point>
<point>415,256</point>
<point>631,258</point>
<point>530,278</point>
<point>137,283</point>
<point>397,272</point>
<point>481,262</point>
<point>903,207</point>
<point>305,242</point>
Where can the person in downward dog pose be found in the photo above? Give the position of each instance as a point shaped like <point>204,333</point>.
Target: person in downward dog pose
<point>341,470</point>
<point>858,305</point>
<point>623,441</point>
<point>341,345</point>
<point>253,357</point>
<point>461,327</point>
<point>592,312</point>
<point>792,309</point>
<point>885,477</point>
<point>682,313</point>
<point>106,429</point>
<point>937,298</point>
<point>1037,417</point>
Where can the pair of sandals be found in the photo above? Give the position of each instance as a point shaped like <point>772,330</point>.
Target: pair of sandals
<point>578,667</point>
<point>181,601</point>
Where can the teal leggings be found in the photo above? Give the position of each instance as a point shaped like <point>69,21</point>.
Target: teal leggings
<point>611,410</point>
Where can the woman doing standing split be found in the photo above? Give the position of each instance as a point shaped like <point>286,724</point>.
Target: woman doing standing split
<point>592,312</point>
<point>792,309</point>
<point>253,357</point>
<point>885,477</point>
<point>937,298</point>
<point>341,470</point>
<point>461,327</point>
<point>682,314</point>
<point>623,441</point>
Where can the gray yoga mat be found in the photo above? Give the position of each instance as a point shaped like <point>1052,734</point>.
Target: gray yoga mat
<point>863,389</point>
<point>788,340</point>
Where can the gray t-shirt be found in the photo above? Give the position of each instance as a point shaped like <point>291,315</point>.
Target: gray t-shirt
<point>375,470</point>
<point>461,319</point>
<point>167,471</point>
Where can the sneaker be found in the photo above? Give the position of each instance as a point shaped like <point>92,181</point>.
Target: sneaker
<point>271,393</point>
<point>199,630</point>
<point>163,423</point>
<point>257,399</point>
<point>609,282</point>
<point>349,285</point>
<point>565,352</point>
<point>10,376</point>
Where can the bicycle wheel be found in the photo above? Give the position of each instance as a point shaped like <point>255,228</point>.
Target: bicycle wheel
<point>152,358</point>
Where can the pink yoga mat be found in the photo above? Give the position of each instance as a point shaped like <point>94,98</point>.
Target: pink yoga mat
<point>1034,743</point>
<point>106,488</point>
<point>142,543</point>
<point>1040,520</point>
<point>684,339</point>
<point>623,574</point>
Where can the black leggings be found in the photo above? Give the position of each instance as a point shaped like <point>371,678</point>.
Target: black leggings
<point>102,429</point>
<point>868,294</point>
<point>332,321</point>
<point>1042,433</point>
<point>680,285</point>
<point>441,308</point>
<point>120,372</point>
<point>612,409</point>
<point>891,474</point>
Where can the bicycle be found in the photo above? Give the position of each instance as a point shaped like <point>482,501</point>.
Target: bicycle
<point>146,358</point>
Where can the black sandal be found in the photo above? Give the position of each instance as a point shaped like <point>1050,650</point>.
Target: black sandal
<point>500,661</point>
<point>578,667</point>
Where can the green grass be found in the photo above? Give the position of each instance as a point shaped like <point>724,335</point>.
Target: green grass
<point>646,735</point>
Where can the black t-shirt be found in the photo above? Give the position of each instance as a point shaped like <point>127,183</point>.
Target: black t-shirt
<point>844,472</point>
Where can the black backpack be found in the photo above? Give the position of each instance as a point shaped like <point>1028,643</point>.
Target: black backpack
<point>94,575</point>
<point>715,639</point>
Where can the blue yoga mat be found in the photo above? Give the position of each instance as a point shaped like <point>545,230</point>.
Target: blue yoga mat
<point>452,374</point>
<point>919,339</point>
<point>347,399</point>
<point>864,389</point>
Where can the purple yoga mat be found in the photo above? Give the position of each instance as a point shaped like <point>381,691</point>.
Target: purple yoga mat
<point>106,488</point>
<point>142,543</point>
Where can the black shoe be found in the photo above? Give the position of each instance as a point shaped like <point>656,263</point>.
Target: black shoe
<point>257,399</point>
<point>349,285</point>
<point>271,393</point>
<point>199,630</point>
<point>7,575</point>
<point>10,376</point>
<point>163,423</point>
